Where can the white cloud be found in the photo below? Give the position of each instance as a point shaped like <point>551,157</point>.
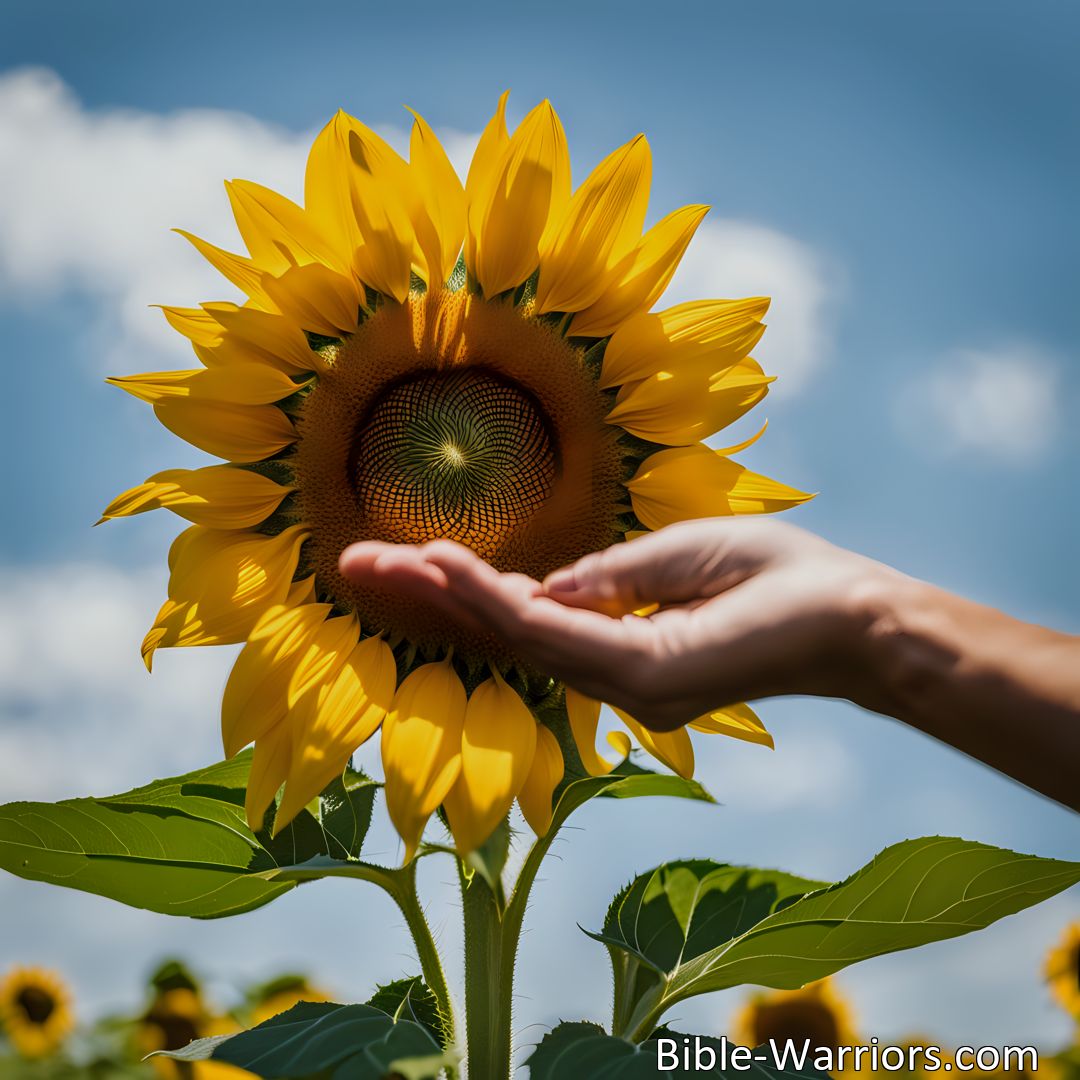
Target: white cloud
<point>1003,403</point>
<point>79,714</point>
<point>90,197</point>
<point>92,194</point>
<point>739,258</point>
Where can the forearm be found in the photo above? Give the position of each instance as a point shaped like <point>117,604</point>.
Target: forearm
<point>1003,691</point>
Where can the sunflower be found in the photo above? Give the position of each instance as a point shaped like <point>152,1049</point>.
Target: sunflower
<point>817,1012</point>
<point>1062,970</point>
<point>35,1011</point>
<point>419,358</point>
<point>282,994</point>
<point>174,1018</point>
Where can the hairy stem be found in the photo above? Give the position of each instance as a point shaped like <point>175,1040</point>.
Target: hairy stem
<point>405,896</point>
<point>489,981</point>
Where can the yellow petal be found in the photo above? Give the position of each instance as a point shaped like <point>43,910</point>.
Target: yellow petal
<point>248,334</point>
<point>707,335</point>
<point>316,298</point>
<point>269,768</point>
<point>197,325</point>
<point>332,723</point>
<point>220,583</point>
<point>382,191</point>
<point>727,451</point>
<point>602,226</point>
<point>323,655</point>
<point>584,715</point>
<point>678,408</point>
<point>534,798</point>
<point>738,721</point>
<point>442,200</point>
<point>643,275</point>
<point>695,482</point>
<point>482,174</point>
<point>278,233</point>
<point>219,496</point>
<point>528,195</point>
<point>327,196</point>
<point>243,273</point>
<point>498,742</point>
<point>255,697</point>
<point>421,748</point>
<point>238,383</point>
<point>672,748</point>
<point>240,433</point>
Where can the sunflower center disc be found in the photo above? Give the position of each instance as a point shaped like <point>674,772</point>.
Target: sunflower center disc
<point>36,1004</point>
<point>464,456</point>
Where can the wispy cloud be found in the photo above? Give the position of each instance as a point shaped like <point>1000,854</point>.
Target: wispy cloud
<point>79,714</point>
<point>90,197</point>
<point>1002,403</point>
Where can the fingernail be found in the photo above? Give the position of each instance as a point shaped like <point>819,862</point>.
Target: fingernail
<point>561,581</point>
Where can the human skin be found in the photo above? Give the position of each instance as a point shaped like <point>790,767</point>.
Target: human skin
<point>752,608</point>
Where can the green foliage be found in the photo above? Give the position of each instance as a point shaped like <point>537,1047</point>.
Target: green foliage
<point>572,1051</point>
<point>693,927</point>
<point>410,999</point>
<point>336,1042</point>
<point>678,911</point>
<point>181,846</point>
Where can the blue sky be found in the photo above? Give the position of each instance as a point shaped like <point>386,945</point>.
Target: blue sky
<point>901,177</point>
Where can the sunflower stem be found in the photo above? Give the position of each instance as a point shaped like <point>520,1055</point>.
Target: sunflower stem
<point>489,980</point>
<point>401,885</point>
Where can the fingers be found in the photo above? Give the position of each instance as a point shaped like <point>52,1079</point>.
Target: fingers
<point>682,563</point>
<point>590,650</point>
<point>402,568</point>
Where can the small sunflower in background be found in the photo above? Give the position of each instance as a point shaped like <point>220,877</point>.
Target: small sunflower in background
<point>817,1012</point>
<point>177,1015</point>
<point>35,1011</point>
<point>1062,970</point>
<point>422,359</point>
<point>281,994</point>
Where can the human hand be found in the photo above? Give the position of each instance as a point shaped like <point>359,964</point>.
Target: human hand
<point>747,609</point>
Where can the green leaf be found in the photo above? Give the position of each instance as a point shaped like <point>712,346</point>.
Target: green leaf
<point>181,846</point>
<point>342,1042</point>
<point>676,912</point>
<point>577,1050</point>
<point>411,999</point>
<point>691,928</point>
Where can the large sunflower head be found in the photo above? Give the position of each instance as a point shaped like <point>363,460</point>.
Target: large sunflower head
<point>416,359</point>
<point>1062,970</point>
<point>35,1011</point>
<point>817,1013</point>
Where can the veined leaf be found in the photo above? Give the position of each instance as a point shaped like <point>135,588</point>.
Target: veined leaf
<point>411,999</point>
<point>677,911</point>
<point>339,1042</point>
<point>572,1051</point>
<point>181,846</point>
<point>691,928</point>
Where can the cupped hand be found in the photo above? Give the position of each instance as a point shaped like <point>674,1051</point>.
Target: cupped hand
<point>735,610</point>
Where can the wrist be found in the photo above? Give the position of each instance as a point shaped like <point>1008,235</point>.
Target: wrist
<point>899,653</point>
